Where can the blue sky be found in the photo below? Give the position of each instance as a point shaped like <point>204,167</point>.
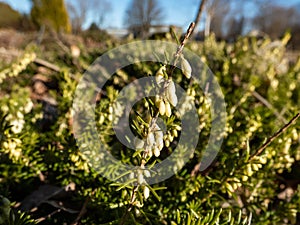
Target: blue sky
<point>177,12</point>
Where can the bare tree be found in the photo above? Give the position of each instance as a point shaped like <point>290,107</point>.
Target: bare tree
<point>275,20</point>
<point>80,10</point>
<point>216,12</point>
<point>141,14</point>
<point>199,12</point>
<point>235,28</point>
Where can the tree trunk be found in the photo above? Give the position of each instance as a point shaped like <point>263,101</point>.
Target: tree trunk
<point>207,25</point>
<point>199,13</point>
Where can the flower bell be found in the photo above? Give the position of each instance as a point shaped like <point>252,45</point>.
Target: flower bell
<point>146,192</point>
<point>171,93</point>
<point>186,68</point>
<point>168,109</point>
<point>162,107</point>
<point>138,143</point>
<point>156,151</point>
<point>160,74</point>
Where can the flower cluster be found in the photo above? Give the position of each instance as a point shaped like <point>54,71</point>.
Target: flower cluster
<point>164,101</point>
<point>153,143</point>
<point>16,68</point>
<point>140,174</point>
<point>13,148</point>
<point>171,134</point>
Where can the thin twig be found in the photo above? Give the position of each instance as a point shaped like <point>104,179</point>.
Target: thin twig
<point>82,211</point>
<point>199,13</point>
<point>186,37</point>
<point>180,47</point>
<point>274,136</point>
<point>268,104</point>
<point>47,64</point>
<point>129,208</point>
<point>48,216</point>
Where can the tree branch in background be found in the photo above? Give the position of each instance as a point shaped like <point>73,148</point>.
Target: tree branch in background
<point>274,136</point>
<point>141,15</point>
<point>268,104</point>
<point>199,12</point>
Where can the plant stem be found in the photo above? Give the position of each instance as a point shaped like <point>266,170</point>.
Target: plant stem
<point>132,199</point>
<point>274,136</point>
<point>180,47</point>
<point>154,119</point>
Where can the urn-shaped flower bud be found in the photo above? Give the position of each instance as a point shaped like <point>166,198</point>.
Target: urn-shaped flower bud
<point>186,68</point>
<point>131,175</point>
<point>168,109</point>
<point>140,178</point>
<point>160,74</point>
<point>162,108</point>
<point>229,187</point>
<point>167,143</point>
<point>249,170</point>
<point>255,167</point>
<point>156,151</point>
<point>146,192</point>
<point>150,139</point>
<point>171,93</point>
<point>174,133</point>
<point>147,173</point>
<point>138,143</point>
<point>159,139</point>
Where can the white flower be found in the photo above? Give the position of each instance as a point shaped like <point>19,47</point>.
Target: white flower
<point>255,167</point>
<point>140,178</point>
<point>159,139</point>
<point>16,153</point>
<point>186,68</point>
<point>156,151</point>
<point>168,109</point>
<point>149,153</point>
<point>28,106</point>
<point>171,93</point>
<point>5,108</point>
<point>101,119</point>
<point>244,178</point>
<point>174,133</point>
<point>146,192</point>
<point>147,173</point>
<point>131,175</point>
<point>160,74</point>
<point>110,117</point>
<point>249,170</point>
<point>138,143</point>
<point>162,108</point>
<point>17,126</point>
<point>229,187</point>
<point>150,139</point>
<point>167,143</point>
<point>110,109</point>
<point>20,115</point>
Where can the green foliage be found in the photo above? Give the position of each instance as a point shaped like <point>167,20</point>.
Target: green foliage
<point>52,14</point>
<point>261,90</point>
<point>8,217</point>
<point>96,34</point>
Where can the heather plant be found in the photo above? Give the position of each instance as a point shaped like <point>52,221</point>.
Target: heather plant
<point>252,180</point>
